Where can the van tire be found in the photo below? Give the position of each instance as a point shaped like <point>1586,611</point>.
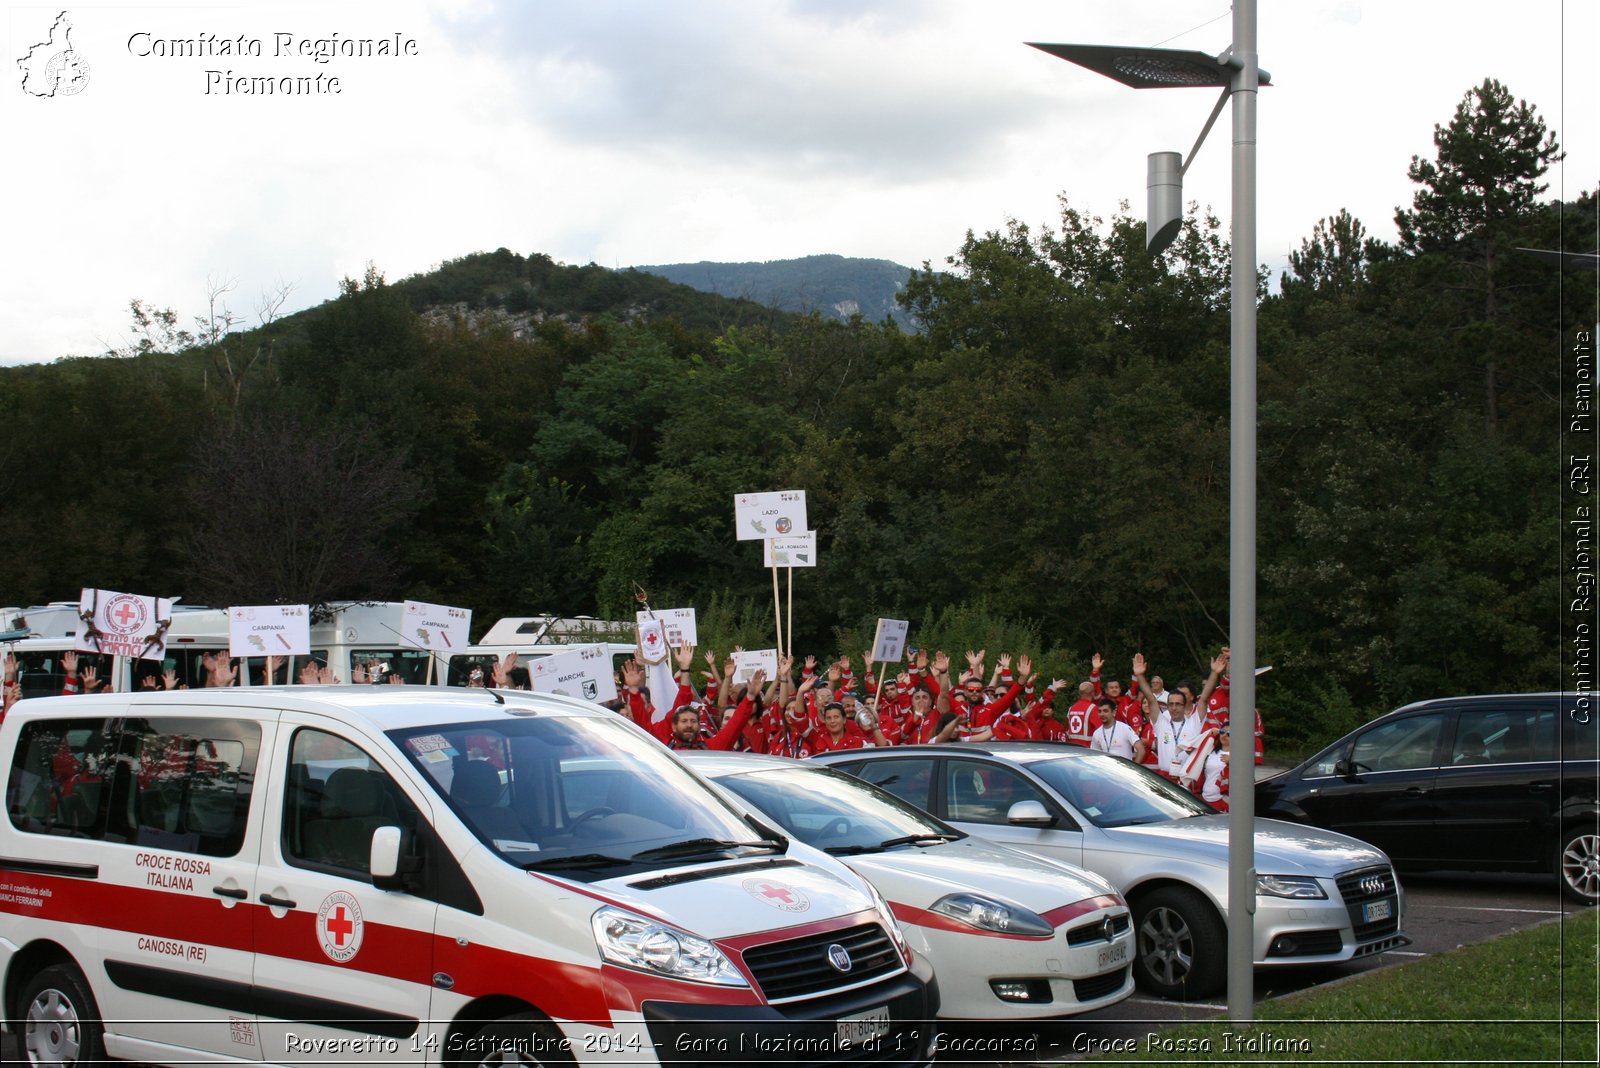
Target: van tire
<point>1180,944</point>
<point>1578,864</point>
<point>525,1038</point>
<point>58,1023</point>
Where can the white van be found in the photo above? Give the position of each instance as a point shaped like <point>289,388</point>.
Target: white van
<point>52,632</point>
<point>314,875</point>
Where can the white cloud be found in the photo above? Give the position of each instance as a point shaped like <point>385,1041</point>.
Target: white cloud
<point>650,132</point>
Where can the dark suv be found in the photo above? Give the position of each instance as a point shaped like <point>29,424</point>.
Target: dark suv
<point>1491,783</point>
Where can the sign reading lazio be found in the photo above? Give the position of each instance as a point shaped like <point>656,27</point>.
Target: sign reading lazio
<point>678,623</point>
<point>747,661</point>
<point>434,626</point>
<point>122,624</point>
<point>889,643</point>
<point>757,516</point>
<point>795,551</point>
<point>583,672</point>
<point>269,630</point>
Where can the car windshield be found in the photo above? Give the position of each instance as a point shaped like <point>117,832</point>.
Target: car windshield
<point>1112,792</point>
<point>835,812</point>
<point>584,796</point>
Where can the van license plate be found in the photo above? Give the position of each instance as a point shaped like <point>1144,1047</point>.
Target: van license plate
<point>863,1026</point>
<point>1376,910</point>
<point>1115,954</point>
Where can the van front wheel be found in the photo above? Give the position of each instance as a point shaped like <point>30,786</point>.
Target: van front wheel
<point>523,1039</point>
<point>59,1026</point>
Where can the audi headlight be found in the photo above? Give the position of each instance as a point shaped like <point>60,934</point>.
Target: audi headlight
<point>1301,886</point>
<point>988,914</point>
<point>635,942</point>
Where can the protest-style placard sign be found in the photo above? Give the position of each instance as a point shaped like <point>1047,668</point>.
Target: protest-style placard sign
<point>434,626</point>
<point>269,630</point>
<point>583,672</point>
<point>798,550</point>
<point>122,624</point>
<point>889,643</point>
<point>758,516</point>
<point>747,661</point>
<point>677,623</point>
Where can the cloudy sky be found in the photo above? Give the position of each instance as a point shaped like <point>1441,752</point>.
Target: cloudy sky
<point>627,132</point>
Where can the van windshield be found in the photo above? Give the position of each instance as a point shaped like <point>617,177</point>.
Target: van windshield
<point>587,797</point>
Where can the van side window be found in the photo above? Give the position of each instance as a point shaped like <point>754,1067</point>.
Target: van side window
<point>59,778</point>
<point>188,784</point>
<point>335,797</point>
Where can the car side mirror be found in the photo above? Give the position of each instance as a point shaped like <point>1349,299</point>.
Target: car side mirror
<point>1344,768</point>
<point>390,869</point>
<point>1029,814</point>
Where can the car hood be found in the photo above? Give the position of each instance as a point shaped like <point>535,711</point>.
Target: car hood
<point>921,875</point>
<point>1280,848</point>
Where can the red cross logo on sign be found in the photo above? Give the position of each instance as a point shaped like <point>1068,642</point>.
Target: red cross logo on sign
<point>124,613</point>
<point>787,898</point>
<point>340,926</point>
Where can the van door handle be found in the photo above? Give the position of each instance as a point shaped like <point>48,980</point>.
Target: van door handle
<point>277,902</point>
<point>237,893</point>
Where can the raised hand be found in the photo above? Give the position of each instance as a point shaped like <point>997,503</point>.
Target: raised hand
<point>685,656</point>
<point>1096,662</point>
<point>1138,665</point>
<point>1024,665</point>
<point>941,663</point>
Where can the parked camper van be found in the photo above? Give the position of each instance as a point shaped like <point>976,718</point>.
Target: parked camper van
<point>317,875</point>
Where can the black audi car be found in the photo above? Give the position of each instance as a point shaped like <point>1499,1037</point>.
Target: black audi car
<point>1491,783</point>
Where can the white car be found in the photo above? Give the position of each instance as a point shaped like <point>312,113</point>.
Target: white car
<point>1011,936</point>
<point>1321,897</point>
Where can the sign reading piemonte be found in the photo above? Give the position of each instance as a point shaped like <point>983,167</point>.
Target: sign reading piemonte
<point>677,623</point>
<point>269,630</point>
<point>889,643</point>
<point>794,551</point>
<point>434,626</point>
<point>757,516</point>
<point>122,624</point>
<point>583,672</point>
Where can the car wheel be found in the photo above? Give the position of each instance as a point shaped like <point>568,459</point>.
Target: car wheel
<point>1578,865</point>
<point>59,1024</point>
<point>1181,943</point>
<point>523,1039</point>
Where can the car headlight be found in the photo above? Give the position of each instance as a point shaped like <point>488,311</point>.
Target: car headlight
<point>988,914</point>
<point>889,922</point>
<point>635,942</point>
<point>1302,886</point>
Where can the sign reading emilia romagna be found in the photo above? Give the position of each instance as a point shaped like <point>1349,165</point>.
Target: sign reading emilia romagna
<point>769,515</point>
<point>434,626</point>
<point>122,624</point>
<point>269,630</point>
<point>582,672</point>
<point>798,550</point>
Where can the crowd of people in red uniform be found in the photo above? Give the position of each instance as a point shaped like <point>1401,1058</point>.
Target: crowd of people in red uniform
<point>1182,733</point>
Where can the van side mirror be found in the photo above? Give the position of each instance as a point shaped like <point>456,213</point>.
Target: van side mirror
<point>1029,814</point>
<point>390,869</point>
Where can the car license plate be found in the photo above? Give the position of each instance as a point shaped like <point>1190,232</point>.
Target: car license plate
<point>1113,954</point>
<point>1377,910</point>
<point>863,1026</point>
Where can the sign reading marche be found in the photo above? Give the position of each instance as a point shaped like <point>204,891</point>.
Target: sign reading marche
<point>678,624</point>
<point>269,630</point>
<point>747,662</point>
<point>889,643</point>
<point>584,672</point>
<point>434,626</point>
<point>769,515</point>
<point>122,624</point>
<point>794,551</point>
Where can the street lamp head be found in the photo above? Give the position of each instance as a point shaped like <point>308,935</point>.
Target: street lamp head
<point>1150,68</point>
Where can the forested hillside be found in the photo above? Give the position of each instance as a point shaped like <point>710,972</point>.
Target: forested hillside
<point>1044,465</point>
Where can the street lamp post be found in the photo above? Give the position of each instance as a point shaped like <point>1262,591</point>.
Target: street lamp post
<point>1239,76</point>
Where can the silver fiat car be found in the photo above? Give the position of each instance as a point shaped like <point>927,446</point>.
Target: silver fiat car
<point>1320,896</point>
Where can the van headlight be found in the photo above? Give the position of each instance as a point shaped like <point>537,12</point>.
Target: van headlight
<point>889,922</point>
<point>645,945</point>
<point>1301,886</point>
<point>990,914</point>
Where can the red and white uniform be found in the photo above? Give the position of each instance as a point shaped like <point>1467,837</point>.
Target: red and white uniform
<point>1214,788</point>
